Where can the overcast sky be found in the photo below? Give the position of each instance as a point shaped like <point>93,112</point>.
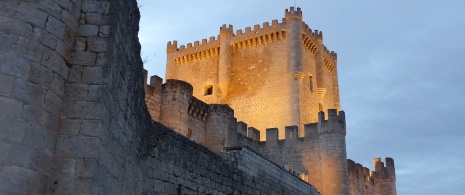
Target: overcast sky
<point>401,66</point>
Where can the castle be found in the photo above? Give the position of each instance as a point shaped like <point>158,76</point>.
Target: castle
<point>76,116</point>
<point>276,75</point>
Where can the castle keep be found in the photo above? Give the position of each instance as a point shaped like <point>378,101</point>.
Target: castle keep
<point>77,117</point>
<point>273,75</point>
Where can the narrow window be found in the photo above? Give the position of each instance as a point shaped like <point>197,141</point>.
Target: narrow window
<point>208,90</point>
<point>311,83</point>
<point>189,133</point>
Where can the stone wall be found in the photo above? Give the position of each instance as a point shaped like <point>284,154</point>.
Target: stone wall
<point>35,58</point>
<point>73,116</point>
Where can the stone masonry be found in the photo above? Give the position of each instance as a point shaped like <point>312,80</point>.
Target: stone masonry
<point>73,118</point>
<point>279,75</point>
<point>77,117</point>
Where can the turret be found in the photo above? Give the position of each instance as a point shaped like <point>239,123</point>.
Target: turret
<point>221,126</point>
<point>175,105</point>
<point>387,175</point>
<point>225,58</point>
<point>331,132</point>
<point>294,61</point>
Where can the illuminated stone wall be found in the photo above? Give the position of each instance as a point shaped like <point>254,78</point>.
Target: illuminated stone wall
<point>257,73</point>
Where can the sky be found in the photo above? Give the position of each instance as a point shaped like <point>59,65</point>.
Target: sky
<point>401,67</point>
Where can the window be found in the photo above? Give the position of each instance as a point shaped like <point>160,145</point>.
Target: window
<point>310,78</point>
<point>189,133</point>
<point>208,90</point>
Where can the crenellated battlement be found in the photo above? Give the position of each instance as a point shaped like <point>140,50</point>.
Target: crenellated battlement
<point>293,13</point>
<point>360,172</point>
<point>198,109</point>
<point>226,30</point>
<point>336,122</point>
<point>178,86</point>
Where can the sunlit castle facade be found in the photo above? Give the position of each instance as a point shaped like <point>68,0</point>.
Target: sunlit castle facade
<point>281,82</point>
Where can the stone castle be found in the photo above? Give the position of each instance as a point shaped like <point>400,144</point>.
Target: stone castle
<point>275,75</point>
<point>77,117</point>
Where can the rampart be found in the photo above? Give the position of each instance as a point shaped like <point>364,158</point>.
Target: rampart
<point>302,156</point>
<point>74,120</point>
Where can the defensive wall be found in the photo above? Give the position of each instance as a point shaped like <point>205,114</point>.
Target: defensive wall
<point>318,158</point>
<point>283,63</point>
<point>73,118</point>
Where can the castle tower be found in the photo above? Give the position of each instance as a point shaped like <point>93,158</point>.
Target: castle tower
<point>294,58</point>
<point>387,175</point>
<point>332,132</point>
<point>175,105</point>
<point>224,62</point>
<point>272,75</point>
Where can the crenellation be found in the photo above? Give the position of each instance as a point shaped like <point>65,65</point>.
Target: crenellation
<point>271,135</point>
<point>253,133</point>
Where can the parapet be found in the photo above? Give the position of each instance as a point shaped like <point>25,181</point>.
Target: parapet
<point>172,47</point>
<point>292,13</point>
<point>221,108</point>
<point>177,85</point>
<point>198,109</point>
<point>336,122</point>
<point>385,172</point>
<point>226,30</point>
<point>253,133</point>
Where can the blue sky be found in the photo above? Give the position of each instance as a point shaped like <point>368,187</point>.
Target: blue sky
<point>401,67</point>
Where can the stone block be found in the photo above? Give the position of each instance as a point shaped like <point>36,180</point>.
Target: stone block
<point>83,58</point>
<point>50,7</point>
<point>8,8</point>
<point>70,127</point>
<point>53,103</point>
<point>69,20</point>
<point>13,128</point>
<point>98,44</point>
<point>64,50</point>
<point>15,27</point>
<point>5,148</point>
<point>95,6</point>
<point>99,19</point>
<point>92,149</point>
<point>55,62</point>
<point>6,85</point>
<point>55,27</point>
<point>70,37</point>
<point>31,50</point>
<point>75,8</point>
<point>104,59</point>
<point>18,180</point>
<point>92,128</point>
<point>49,40</point>
<point>105,31</point>
<point>80,44</point>
<point>75,74</point>
<point>40,75</point>
<point>85,110</point>
<point>38,136</point>
<point>31,16</point>
<point>20,155</point>
<point>58,85</point>
<point>29,92</point>
<point>88,30</point>
<point>10,106</point>
<point>95,75</point>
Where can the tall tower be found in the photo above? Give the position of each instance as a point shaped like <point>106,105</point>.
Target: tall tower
<point>225,59</point>
<point>332,136</point>
<point>294,61</point>
<point>272,75</point>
